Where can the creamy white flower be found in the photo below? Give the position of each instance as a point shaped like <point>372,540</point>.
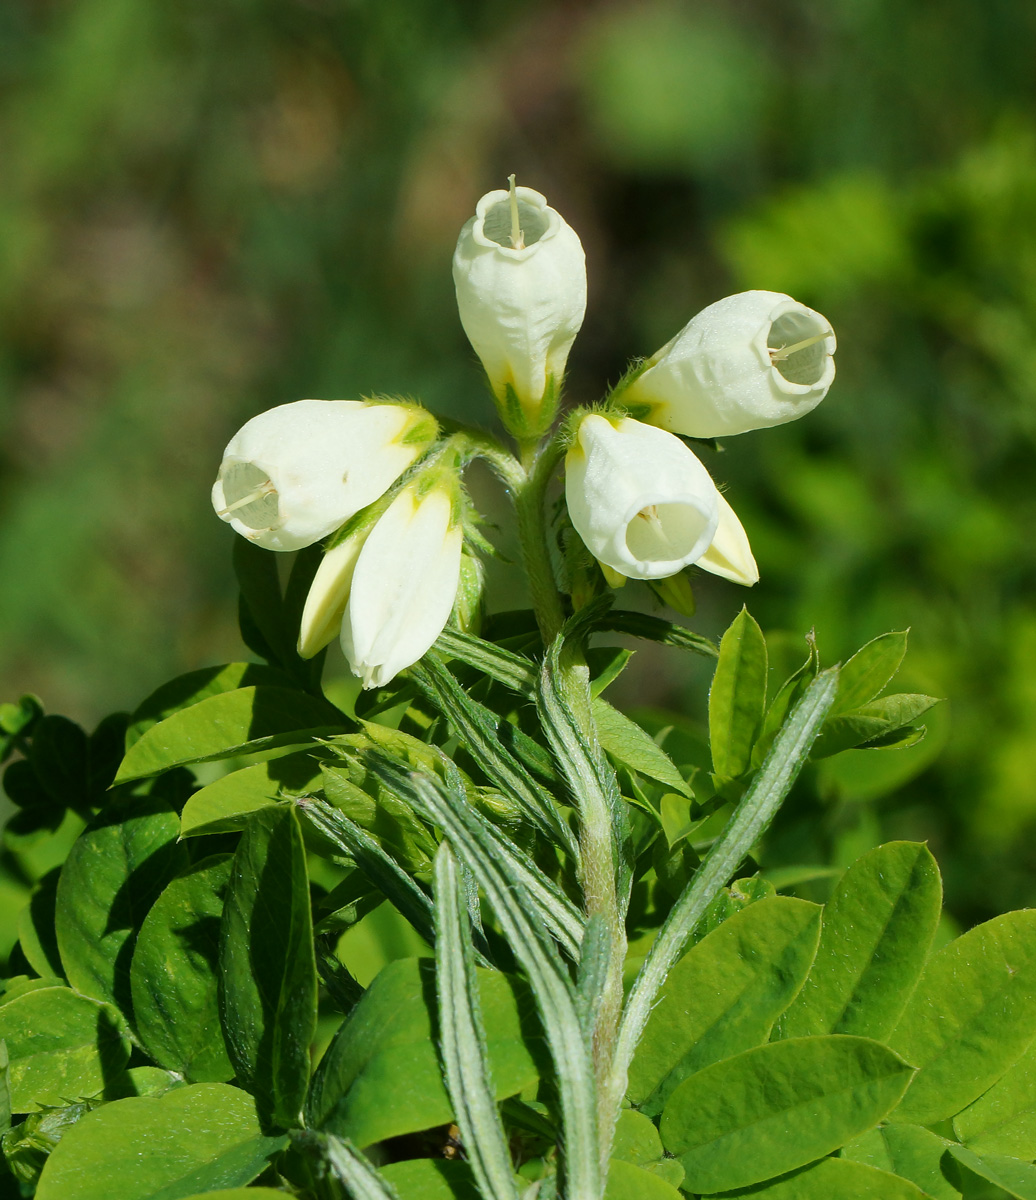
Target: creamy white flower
<point>293,474</point>
<point>746,362</point>
<point>640,500</point>
<point>328,593</point>
<point>520,275</point>
<point>730,555</point>
<point>404,584</point>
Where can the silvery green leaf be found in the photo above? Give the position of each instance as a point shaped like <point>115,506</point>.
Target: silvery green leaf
<point>462,1039</point>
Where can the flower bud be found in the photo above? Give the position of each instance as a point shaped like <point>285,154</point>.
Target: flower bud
<point>640,500</point>
<point>293,474</point>
<point>730,555</point>
<point>520,275</point>
<point>747,362</point>
<point>404,582</point>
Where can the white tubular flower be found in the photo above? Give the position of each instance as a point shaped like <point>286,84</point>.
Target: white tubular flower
<point>730,555</point>
<point>404,582</point>
<point>640,500</point>
<point>747,362</point>
<point>520,275</point>
<point>296,472</point>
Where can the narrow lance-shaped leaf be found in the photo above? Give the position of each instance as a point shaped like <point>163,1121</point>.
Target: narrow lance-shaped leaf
<point>591,780</point>
<point>347,1165</point>
<point>512,670</point>
<point>654,629</point>
<point>737,698</point>
<point>749,822</point>
<point>555,996</point>
<point>380,868</point>
<point>869,670</point>
<point>476,727</point>
<point>462,1039</point>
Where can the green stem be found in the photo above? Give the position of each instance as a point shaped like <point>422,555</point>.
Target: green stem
<point>530,502</point>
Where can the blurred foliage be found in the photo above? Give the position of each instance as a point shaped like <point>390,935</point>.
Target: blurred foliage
<point>207,209</point>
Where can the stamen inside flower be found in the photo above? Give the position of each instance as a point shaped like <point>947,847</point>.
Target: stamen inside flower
<point>514,222</point>
<point>799,348</point>
<point>664,532</point>
<point>249,494</point>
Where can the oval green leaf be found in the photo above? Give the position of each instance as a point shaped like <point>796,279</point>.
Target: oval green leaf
<point>1015,1177</point>
<point>627,1182</point>
<point>112,876</point>
<point>245,721</point>
<point>836,1179</point>
<point>226,805</point>
<point>36,933</point>
<point>777,1107</point>
<point>173,974</point>
<point>724,995</point>
<point>971,1017</point>
<point>878,926</point>
<point>911,1151</point>
<point>381,1076</point>
<point>267,965</point>
<point>189,1140</point>
<point>61,1047</point>
<point>191,689</point>
<point>1003,1120</point>
<point>431,1179</point>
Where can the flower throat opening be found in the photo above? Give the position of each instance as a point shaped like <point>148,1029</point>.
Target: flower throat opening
<point>798,344</point>
<point>665,532</point>
<point>249,495</point>
<point>497,225</point>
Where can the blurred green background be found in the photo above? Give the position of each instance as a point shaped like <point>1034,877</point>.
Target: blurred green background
<point>210,208</point>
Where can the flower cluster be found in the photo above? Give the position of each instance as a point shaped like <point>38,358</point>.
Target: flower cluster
<point>379,477</point>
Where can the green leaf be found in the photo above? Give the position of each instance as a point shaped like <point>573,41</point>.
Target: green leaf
<point>513,670</point>
<point>750,820</point>
<point>462,1036</point>
<point>245,721</point>
<point>478,728</point>
<point>36,933</point>
<point>431,1179</point>
<point>869,670</point>
<point>788,695</point>
<point>19,985</point>
<point>226,805</point>
<point>5,1088</point>
<point>972,1015</point>
<point>1016,1178</point>
<point>870,722</point>
<point>380,868</point>
<point>835,1179</point>
<point>633,747</point>
<point>191,1139</point>
<point>654,629</point>
<point>381,1076</point>
<point>61,1046</point>
<point>778,1107</point>
<point>188,690</point>
<point>909,1151</point>
<point>268,974</point>
<point>114,872</point>
<point>173,974</point>
<point>724,995</point>
<point>737,698</point>
<point>878,926</point>
<point>340,1160</point>
<point>627,1182</point>
<point>59,757</point>
<point>1003,1120</point>
<point>250,1193</point>
<point>529,939</point>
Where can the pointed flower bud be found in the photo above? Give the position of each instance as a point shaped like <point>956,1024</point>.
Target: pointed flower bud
<point>747,362</point>
<point>730,555</point>
<point>640,500</point>
<point>520,275</point>
<point>293,474</point>
<point>405,580</point>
